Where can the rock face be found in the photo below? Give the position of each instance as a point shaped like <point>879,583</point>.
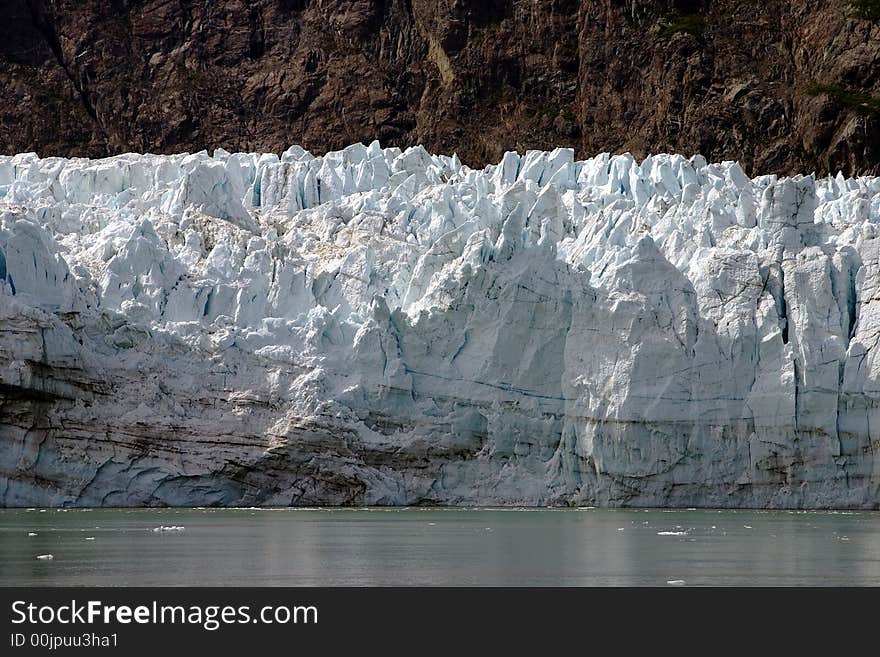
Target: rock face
<point>730,79</point>
<point>377,326</point>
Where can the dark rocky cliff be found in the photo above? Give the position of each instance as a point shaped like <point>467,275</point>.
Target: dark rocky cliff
<point>781,86</point>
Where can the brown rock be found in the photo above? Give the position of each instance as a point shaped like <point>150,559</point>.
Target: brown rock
<point>727,79</point>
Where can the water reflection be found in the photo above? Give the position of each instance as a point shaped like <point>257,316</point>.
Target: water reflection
<point>595,547</point>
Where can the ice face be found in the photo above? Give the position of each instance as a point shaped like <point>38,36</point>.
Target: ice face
<point>384,326</point>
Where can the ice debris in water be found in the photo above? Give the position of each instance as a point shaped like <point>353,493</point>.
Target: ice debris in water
<point>169,528</point>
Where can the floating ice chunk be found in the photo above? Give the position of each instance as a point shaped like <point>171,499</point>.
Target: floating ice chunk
<point>45,557</point>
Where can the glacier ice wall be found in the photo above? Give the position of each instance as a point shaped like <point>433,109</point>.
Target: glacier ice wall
<point>377,326</point>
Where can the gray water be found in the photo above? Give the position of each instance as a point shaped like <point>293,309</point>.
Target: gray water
<point>414,546</point>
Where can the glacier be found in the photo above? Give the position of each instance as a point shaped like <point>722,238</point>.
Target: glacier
<point>378,326</point>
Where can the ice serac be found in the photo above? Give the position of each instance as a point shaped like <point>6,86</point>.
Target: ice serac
<point>377,326</point>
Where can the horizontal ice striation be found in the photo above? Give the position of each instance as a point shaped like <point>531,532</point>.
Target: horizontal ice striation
<point>377,326</point>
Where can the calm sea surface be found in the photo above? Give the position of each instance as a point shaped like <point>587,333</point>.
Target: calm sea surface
<point>414,546</point>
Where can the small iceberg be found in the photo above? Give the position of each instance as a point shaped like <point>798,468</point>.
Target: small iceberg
<point>671,533</point>
<point>32,533</point>
<point>45,557</point>
<point>675,582</point>
<point>169,528</point>
<point>90,538</point>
